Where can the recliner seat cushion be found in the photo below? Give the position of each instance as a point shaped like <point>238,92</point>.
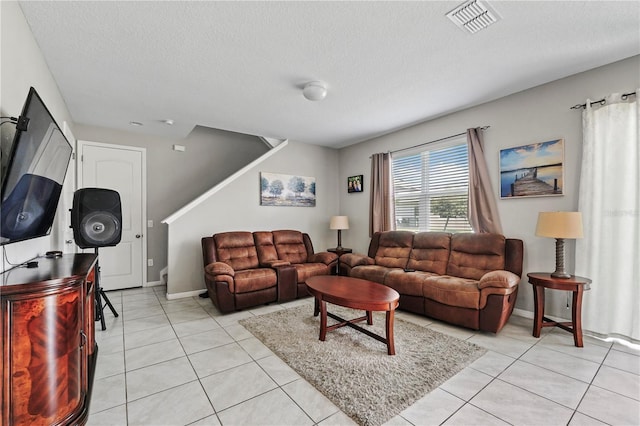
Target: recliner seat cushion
<point>407,283</point>
<point>453,291</point>
<point>236,249</point>
<point>373,273</point>
<point>473,255</point>
<point>307,270</point>
<point>255,279</point>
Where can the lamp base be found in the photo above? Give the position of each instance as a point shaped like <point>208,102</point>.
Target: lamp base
<point>560,272</point>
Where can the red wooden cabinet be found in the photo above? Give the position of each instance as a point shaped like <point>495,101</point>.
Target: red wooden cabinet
<point>48,345</point>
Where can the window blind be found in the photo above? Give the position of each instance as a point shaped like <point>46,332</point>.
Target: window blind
<point>431,189</point>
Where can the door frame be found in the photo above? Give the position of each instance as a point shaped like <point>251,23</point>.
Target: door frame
<point>143,225</point>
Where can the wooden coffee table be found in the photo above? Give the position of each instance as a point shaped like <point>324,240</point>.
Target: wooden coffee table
<point>354,293</point>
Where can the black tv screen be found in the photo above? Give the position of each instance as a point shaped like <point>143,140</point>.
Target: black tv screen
<point>32,177</point>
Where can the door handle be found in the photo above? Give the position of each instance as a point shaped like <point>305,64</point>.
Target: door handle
<point>68,241</point>
<point>138,235</point>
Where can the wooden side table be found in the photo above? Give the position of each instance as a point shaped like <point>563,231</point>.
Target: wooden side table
<point>339,251</point>
<point>575,284</point>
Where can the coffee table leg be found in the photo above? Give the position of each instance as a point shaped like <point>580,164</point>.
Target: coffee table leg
<point>369,317</point>
<point>391,347</point>
<point>323,320</point>
<point>316,307</point>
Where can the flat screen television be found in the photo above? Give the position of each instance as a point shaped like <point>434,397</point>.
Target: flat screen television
<point>33,174</point>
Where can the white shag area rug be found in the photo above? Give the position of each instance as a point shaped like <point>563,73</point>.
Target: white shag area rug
<point>353,370</point>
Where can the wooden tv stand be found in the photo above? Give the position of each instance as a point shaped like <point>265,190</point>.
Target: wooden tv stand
<point>48,341</point>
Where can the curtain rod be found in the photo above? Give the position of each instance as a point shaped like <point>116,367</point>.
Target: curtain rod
<point>434,141</point>
<point>602,101</point>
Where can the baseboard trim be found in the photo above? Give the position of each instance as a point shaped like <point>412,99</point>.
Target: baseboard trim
<point>172,296</point>
<point>522,313</point>
<point>153,283</point>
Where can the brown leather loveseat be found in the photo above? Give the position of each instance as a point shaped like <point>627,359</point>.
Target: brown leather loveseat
<point>465,279</point>
<point>244,269</point>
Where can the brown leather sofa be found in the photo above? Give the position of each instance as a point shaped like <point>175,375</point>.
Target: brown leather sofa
<point>464,279</point>
<point>245,269</point>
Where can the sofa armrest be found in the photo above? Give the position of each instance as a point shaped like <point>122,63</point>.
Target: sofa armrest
<point>502,279</point>
<point>322,257</point>
<point>354,259</point>
<point>219,268</point>
<point>274,263</point>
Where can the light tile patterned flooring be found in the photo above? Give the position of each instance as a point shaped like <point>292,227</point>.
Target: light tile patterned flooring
<point>181,362</point>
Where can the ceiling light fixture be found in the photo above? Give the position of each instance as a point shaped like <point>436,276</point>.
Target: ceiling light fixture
<point>315,91</point>
<point>135,123</point>
<point>168,122</point>
<point>474,15</point>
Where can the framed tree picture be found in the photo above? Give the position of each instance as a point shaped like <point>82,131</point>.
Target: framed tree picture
<point>287,190</point>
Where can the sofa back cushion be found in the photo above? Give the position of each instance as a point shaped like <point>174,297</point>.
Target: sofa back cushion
<point>236,249</point>
<point>394,248</point>
<point>290,246</point>
<point>473,255</point>
<point>265,247</point>
<point>430,252</point>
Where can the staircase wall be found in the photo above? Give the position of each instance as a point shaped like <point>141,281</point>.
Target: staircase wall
<point>235,206</point>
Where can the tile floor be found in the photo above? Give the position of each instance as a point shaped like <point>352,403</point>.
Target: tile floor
<point>181,362</point>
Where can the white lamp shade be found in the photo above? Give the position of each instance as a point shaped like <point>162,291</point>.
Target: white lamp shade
<point>559,225</point>
<point>339,222</point>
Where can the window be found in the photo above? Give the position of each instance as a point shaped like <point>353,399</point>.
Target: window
<point>431,188</point>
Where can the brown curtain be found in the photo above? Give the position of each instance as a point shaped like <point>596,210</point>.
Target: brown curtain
<point>381,211</point>
<point>483,211</point>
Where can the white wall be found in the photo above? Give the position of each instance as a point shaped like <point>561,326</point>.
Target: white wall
<point>174,178</point>
<point>21,66</point>
<point>536,115</point>
<point>236,207</point>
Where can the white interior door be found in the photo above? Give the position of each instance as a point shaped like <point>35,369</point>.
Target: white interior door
<point>122,169</point>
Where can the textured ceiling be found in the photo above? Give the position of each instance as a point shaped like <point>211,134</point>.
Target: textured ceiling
<point>240,66</point>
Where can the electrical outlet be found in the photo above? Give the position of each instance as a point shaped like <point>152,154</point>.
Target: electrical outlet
<point>149,262</point>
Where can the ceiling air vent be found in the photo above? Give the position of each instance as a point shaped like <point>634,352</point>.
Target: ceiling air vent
<point>473,16</point>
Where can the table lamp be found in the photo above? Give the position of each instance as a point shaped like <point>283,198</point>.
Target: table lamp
<point>339,223</point>
<point>559,225</point>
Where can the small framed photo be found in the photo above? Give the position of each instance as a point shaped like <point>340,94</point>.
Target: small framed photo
<point>354,183</point>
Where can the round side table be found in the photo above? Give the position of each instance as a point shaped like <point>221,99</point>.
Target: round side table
<point>575,284</point>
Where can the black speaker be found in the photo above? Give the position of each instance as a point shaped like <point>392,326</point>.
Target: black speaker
<point>96,217</point>
<point>29,210</point>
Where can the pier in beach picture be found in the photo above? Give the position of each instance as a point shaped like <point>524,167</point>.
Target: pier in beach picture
<point>532,170</point>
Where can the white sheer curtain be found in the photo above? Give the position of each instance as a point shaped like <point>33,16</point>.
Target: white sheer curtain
<point>609,253</point>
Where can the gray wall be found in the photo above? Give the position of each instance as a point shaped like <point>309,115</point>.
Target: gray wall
<point>175,178</point>
<point>536,115</point>
<point>21,66</point>
<point>236,207</point>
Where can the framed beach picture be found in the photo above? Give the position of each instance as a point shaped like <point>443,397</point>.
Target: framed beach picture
<point>354,183</point>
<point>533,170</point>
<point>287,190</point>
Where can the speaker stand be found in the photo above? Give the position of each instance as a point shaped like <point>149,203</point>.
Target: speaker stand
<point>100,295</point>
